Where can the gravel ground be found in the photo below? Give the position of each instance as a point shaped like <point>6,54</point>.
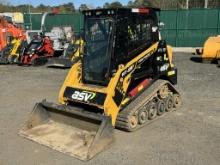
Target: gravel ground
<point>190,136</point>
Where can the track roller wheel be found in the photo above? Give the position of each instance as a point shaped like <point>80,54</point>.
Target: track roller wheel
<point>133,122</point>
<point>169,103</point>
<point>177,100</point>
<point>163,92</point>
<point>160,107</point>
<point>152,110</point>
<point>143,115</point>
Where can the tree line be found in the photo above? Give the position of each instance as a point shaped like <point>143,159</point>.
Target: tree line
<point>5,6</point>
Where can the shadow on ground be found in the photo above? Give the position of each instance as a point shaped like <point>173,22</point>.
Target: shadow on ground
<point>199,60</point>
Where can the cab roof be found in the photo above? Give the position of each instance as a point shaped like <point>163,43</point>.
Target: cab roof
<point>118,11</point>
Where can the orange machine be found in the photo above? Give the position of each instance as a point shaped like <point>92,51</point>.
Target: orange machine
<point>8,31</point>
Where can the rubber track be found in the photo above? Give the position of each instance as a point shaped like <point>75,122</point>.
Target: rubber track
<point>40,61</point>
<point>132,108</point>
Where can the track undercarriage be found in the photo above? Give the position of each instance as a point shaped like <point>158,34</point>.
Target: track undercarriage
<point>153,103</point>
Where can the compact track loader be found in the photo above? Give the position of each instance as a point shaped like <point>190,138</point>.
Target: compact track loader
<point>211,50</point>
<point>125,80</point>
<point>37,51</point>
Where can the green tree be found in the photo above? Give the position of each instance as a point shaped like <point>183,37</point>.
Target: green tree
<point>62,9</point>
<point>140,3</point>
<point>42,8</point>
<point>164,4</point>
<point>130,4</point>
<point>24,8</point>
<point>69,7</point>
<point>115,4</point>
<point>83,7</point>
<point>214,4</point>
<point>106,5</point>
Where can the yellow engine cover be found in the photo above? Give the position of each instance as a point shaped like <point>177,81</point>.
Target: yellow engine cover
<point>211,48</point>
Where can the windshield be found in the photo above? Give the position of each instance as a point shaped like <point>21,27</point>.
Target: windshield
<point>96,61</point>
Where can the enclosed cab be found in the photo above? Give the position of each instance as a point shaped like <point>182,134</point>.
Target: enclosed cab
<point>114,37</point>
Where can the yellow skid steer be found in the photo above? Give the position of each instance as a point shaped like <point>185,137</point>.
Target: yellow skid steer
<point>125,79</point>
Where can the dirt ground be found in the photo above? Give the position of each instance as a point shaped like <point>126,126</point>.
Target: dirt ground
<point>190,136</point>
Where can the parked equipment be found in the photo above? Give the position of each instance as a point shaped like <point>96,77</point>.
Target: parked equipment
<point>10,54</point>
<point>211,50</point>
<point>125,80</point>
<point>71,54</point>
<point>60,36</point>
<point>37,52</point>
<point>30,34</point>
<point>7,31</point>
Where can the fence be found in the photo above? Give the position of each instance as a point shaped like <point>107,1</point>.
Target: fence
<point>183,28</point>
<point>33,21</point>
<point>190,28</point>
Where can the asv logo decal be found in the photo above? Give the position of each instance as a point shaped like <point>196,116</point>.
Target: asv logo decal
<point>83,96</point>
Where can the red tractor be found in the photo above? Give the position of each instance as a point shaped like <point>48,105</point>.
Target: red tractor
<point>37,52</point>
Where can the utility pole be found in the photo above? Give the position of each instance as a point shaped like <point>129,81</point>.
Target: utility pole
<point>29,11</point>
<point>206,4</point>
<point>187,4</point>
